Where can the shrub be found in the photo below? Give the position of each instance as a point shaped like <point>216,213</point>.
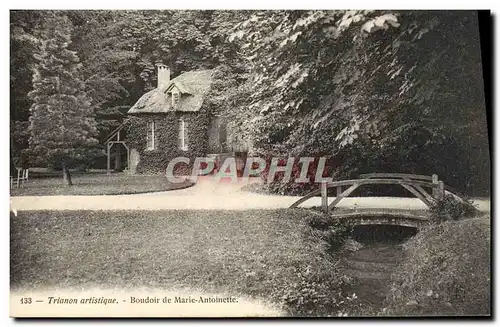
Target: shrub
<point>446,271</point>
<point>317,291</point>
<point>452,208</point>
<point>334,231</point>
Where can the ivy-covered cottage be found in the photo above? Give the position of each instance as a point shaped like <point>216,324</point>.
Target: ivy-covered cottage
<point>171,121</point>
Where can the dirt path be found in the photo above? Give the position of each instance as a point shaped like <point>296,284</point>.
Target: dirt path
<point>206,194</point>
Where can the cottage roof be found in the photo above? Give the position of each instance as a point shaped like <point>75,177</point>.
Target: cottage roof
<point>193,85</point>
<point>181,87</point>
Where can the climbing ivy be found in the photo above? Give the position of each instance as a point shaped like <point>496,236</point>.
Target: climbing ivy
<point>166,136</point>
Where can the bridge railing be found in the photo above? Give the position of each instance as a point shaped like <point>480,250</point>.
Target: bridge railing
<point>415,184</point>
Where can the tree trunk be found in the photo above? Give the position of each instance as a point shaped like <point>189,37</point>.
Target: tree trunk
<point>66,175</point>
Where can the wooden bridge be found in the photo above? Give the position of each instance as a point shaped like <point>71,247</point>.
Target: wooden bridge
<point>429,189</point>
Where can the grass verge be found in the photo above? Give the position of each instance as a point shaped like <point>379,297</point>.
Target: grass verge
<point>446,271</point>
<point>272,254</point>
<point>99,184</point>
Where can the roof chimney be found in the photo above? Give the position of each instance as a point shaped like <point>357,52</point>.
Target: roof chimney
<point>163,75</point>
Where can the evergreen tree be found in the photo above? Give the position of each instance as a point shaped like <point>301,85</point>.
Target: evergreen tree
<point>63,126</point>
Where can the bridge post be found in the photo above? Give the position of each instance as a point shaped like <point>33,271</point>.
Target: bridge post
<point>324,197</point>
<point>440,191</point>
<point>435,186</point>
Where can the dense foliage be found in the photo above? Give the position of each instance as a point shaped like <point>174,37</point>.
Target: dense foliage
<point>452,208</point>
<point>372,90</point>
<point>379,91</point>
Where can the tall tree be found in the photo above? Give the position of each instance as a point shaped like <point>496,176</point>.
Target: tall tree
<point>62,127</point>
<point>108,64</point>
<point>23,24</point>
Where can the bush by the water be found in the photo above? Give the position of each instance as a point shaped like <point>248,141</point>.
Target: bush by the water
<point>334,231</point>
<point>452,208</point>
<point>446,271</point>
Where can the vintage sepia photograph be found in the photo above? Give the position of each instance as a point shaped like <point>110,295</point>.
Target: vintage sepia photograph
<point>250,163</point>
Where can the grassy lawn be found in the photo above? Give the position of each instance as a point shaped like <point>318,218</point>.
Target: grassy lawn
<point>272,254</point>
<point>98,184</point>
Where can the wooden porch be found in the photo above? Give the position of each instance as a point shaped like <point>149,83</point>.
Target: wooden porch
<point>116,137</point>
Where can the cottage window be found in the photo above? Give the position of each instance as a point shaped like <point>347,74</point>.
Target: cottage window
<point>176,97</point>
<point>183,141</point>
<point>151,136</point>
